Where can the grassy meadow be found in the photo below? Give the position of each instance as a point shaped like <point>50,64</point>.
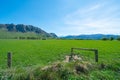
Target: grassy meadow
<point>30,53</point>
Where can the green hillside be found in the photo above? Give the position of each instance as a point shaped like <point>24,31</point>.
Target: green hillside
<point>20,31</point>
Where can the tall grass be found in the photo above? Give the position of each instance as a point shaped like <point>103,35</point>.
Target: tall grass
<point>26,54</point>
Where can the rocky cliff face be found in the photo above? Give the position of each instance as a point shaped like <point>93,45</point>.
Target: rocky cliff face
<point>25,28</point>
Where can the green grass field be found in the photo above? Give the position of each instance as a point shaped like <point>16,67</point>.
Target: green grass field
<point>4,34</point>
<point>26,53</point>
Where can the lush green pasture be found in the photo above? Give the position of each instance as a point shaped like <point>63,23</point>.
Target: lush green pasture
<point>42,52</point>
<point>28,56</point>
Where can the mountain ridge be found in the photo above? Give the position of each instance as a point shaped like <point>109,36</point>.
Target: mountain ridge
<point>91,36</point>
<point>25,29</point>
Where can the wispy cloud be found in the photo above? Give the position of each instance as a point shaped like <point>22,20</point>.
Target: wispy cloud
<point>97,18</point>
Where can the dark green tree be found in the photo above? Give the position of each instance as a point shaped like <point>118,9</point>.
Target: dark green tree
<point>111,38</point>
<point>104,38</point>
<point>118,38</point>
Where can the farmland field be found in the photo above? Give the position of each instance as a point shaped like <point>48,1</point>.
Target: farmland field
<point>27,53</point>
<point>33,52</point>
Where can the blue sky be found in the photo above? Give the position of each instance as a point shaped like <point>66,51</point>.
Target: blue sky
<point>64,17</point>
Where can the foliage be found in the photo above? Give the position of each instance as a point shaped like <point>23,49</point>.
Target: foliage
<point>56,71</point>
<point>104,38</point>
<point>111,38</point>
<point>61,71</point>
<point>118,38</point>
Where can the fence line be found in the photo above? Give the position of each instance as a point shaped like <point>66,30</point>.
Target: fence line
<point>87,49</point>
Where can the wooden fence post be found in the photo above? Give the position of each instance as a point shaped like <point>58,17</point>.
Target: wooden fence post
<point>71,55</point>
<point>96,55</point>
<point>9,59</point>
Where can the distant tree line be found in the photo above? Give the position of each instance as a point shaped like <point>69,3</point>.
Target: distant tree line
<point>32,38</point>
<point>104,39</point>
<point>111,38</point>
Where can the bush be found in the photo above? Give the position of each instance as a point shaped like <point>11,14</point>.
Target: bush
<point>118,38</point>
<point>105,39</point>
<point>111,38</point>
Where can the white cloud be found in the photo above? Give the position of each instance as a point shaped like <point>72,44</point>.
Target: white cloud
<point>98,18</point>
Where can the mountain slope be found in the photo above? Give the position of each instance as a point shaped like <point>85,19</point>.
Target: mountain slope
<point>92,36</point>
<point>23,31</point>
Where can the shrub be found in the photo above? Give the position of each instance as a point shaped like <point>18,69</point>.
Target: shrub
<point>118,38</point>
<point>111,38</point>
<point>105,39</point>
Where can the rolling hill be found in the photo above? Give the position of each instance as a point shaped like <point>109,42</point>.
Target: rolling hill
<point>21,31</point>
<point>91,36</point>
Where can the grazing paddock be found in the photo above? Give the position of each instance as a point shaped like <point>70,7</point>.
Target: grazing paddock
<point>42,52</point>
<point>29,57</point>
